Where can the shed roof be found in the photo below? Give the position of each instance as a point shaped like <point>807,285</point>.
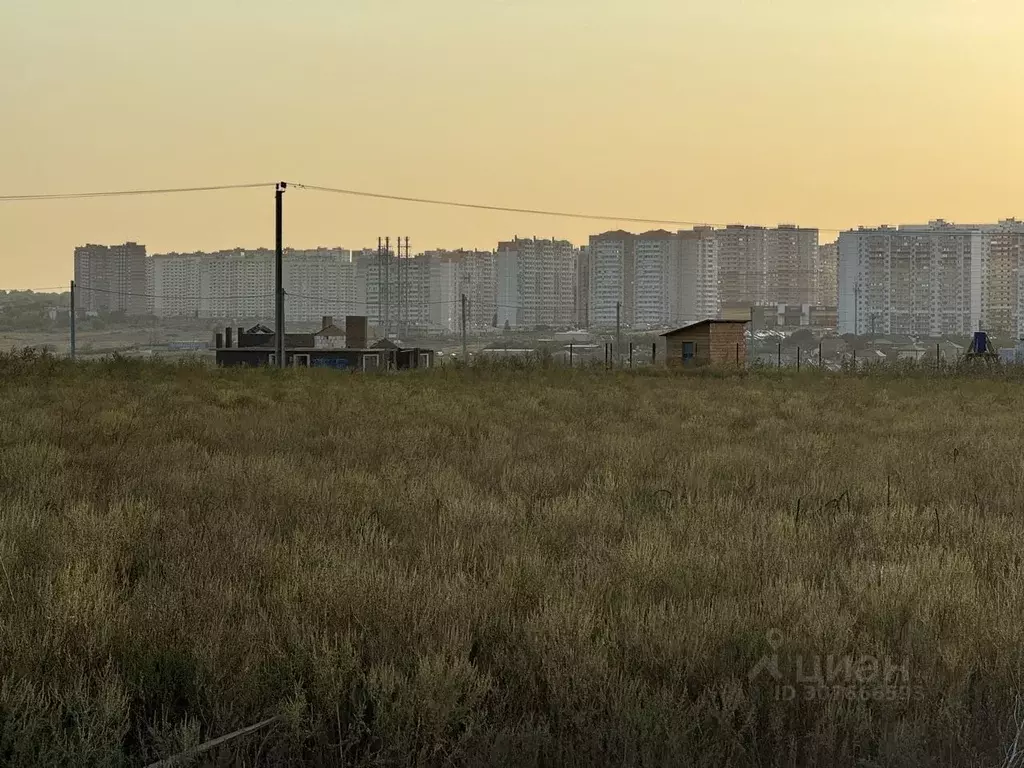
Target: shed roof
<point>330,330</point>
<point>385,344</point>
<point>699,323</point>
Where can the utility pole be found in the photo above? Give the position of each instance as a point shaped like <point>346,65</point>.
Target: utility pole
<point>618,329</point>
<point>72,319</point>
<point>399,268</point>
<point>465,357</point>
<point>856,308</point>
<point>387,287</point>
<point>279,272</point>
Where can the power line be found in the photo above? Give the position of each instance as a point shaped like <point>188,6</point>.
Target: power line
<point>374,195</point>
<point>129,192</point>
<point>529,211</point>
<point>499,208</point>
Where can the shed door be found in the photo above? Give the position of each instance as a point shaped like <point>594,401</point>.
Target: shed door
<point>689,350</point>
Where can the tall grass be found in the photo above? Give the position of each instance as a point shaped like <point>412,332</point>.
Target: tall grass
<point>506,567</point>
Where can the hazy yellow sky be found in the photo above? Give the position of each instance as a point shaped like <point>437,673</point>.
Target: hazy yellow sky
<point>827,113</point>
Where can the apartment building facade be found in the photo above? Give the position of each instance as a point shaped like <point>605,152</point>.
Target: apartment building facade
<point>791,262</point>
<point>826,279</point>
<point>612,267</point>
<point>657,278</point>
<point>535,283</point>
<point>700,298</point>
<point>760,266</point>
<point>239,283</point>
<point>583,287</point>
<point>111,278</point>
<point>657,288</point>
<point>1000,294</point>
<point>922,280</point>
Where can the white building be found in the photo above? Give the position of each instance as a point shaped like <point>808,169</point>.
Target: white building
<point>915,280</point>
<point>826,280</point>
<point>240,284</point>
<point>612,270</point>
<point>657,289</point>
<point>700,298</point>
<point>760,266</point>
<point>535,283</point>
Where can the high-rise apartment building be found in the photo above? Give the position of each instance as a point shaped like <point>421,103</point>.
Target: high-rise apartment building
<point>424,292</point>
<point>535,283</point>
<point>759,266</point>
<point>791,259</point>
<point>612,257</point>
<point>917,280</point>
<point>657,278</point>
<point>826,280</point>
<point>1000,294</point>
<point>240,284</point>
<point>657,289</point>
<point>698,285</point>
<point>111,278</point>
<point>742,265</point>
<point>583,287</point>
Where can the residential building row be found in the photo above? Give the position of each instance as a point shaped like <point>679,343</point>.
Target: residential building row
<point>651,279</point>
<point>936,279</point>
<point>663,278</point>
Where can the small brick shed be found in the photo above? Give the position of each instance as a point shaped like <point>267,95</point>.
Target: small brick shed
<point>708,342</point>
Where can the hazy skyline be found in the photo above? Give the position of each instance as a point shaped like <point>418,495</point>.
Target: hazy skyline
<point>721,111</point>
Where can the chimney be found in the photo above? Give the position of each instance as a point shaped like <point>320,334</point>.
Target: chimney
<point>328,321</point>
<point>355,331</point>
<point>218,340</point>
<point>227,336</point>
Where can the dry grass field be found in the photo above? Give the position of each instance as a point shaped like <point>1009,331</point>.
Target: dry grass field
<point>498,567</point>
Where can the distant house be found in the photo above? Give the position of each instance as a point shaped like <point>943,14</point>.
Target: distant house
<point>309,350</point>
<point>707,342</point>
<point>329,336</point>
<point>913,352</point>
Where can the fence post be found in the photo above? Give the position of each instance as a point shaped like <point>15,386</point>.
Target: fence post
<point>570,354</point>
<point>631,355</point>
<point>737,355</point>
<point>819,354</point>
<point>938,357</point>
<point>798,359</point>
<point>780,354</point>
<point>654,352</point>
<point>855,360</point>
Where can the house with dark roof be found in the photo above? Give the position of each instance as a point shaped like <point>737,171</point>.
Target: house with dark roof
<point>327,348</point>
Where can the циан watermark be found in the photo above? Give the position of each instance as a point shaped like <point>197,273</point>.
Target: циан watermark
<point>862,677</point>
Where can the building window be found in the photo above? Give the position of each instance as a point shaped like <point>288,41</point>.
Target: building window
<point>689,351</point>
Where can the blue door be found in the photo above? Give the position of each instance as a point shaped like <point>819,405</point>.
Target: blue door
<point>689,350</point>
